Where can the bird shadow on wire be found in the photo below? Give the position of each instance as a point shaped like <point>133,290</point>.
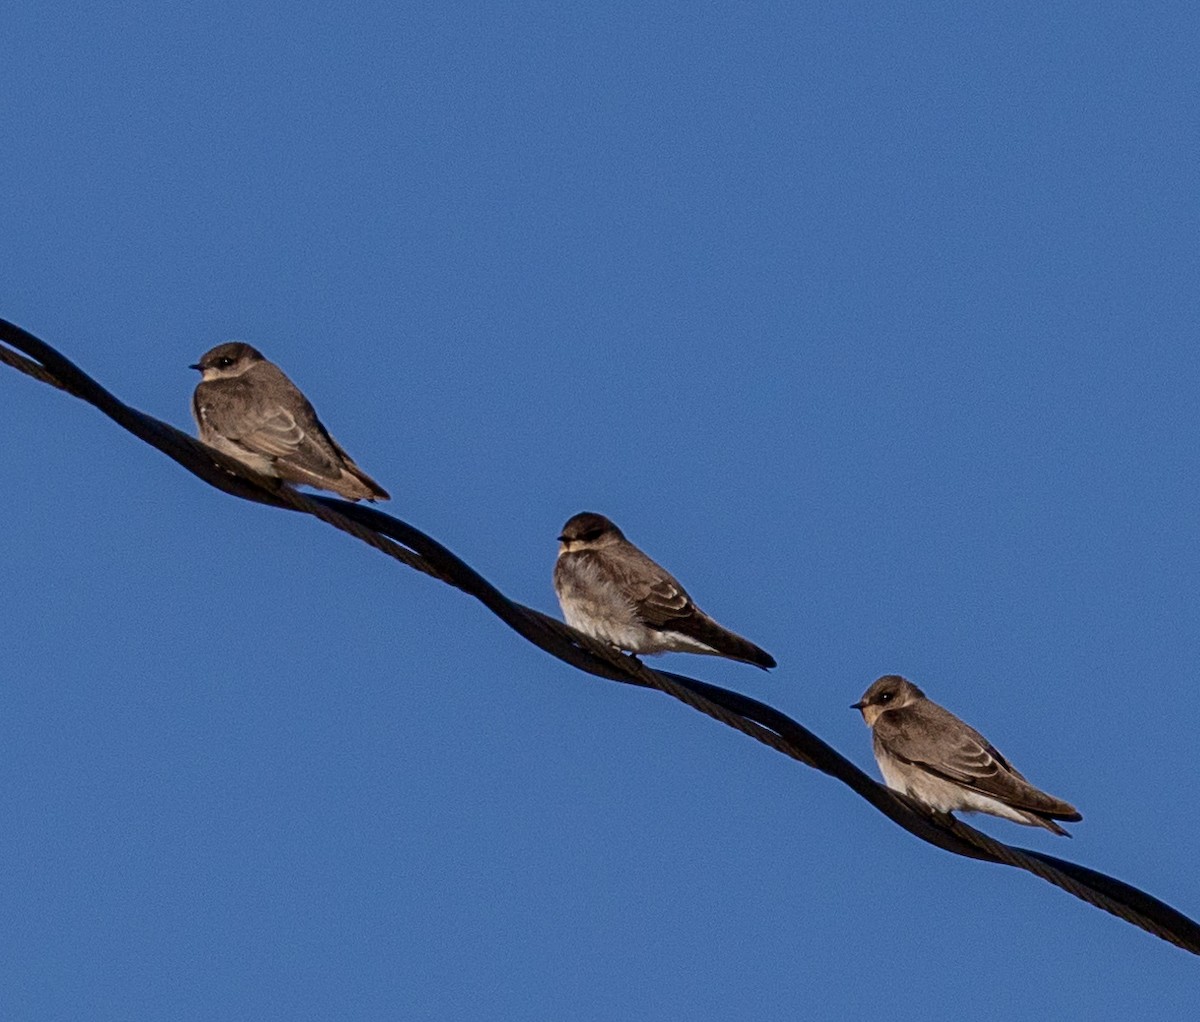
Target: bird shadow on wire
<point>764,723</point>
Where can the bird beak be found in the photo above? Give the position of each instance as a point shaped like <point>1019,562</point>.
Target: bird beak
<point>197,366</point>
<point>858,706</point>
<point>563,539</point>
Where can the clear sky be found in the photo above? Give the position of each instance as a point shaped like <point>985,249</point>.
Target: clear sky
<point>876,324</point>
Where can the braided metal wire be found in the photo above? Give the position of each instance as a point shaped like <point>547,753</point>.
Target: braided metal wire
<point>411,547</point>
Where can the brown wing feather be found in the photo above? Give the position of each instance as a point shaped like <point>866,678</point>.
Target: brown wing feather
<point>662,603</point>
<point>316,451</point>
<point>665,602</point>
<point>963,756</point>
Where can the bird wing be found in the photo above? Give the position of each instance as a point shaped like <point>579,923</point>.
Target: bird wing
<point>659,600</point>
<point>663,604</point>
<point>937,741</point>
<point>263,426</point>
<point>283,435</point>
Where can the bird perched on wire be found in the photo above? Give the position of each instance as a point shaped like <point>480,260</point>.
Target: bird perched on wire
<point>611,591</point>
<point>926,752</point>
<point>247,408</point>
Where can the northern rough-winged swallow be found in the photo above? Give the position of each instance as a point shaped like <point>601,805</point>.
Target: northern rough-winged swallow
<point>929,754</point>
<point>247,408</point>
<point>613,592</point>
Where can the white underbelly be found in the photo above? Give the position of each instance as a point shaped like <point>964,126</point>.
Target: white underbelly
<point>594,619</point>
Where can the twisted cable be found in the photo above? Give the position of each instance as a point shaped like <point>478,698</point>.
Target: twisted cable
<point>413,548</point>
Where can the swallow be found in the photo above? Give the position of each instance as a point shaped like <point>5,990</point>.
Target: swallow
<point>926,752</point>
<point>611,591</point>
<point>247,408</point>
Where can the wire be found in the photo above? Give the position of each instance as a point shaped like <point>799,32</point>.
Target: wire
<point>759,721</point>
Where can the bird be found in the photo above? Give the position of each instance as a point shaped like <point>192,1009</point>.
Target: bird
<point>926,752</point>
<point>611,591</point>
<point>247,408</point>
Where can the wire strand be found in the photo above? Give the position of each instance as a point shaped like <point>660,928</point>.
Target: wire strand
<point>413,548</point>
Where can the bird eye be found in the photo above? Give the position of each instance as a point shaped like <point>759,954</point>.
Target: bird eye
<point>885,697</point>
<point>591,534</point>
<point>224,363</point>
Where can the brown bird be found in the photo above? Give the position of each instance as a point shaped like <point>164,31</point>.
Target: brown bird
<point>610,590</point>
<point>926,752</point>
<point>247,408</point>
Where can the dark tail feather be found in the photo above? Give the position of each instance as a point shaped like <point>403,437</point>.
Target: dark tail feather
<point>754,655</point>
<point>726,643</point>
<point>375,491</point>
<point>371,490</point>
<point>1049,823</point>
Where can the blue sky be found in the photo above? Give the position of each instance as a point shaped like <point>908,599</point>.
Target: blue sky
<point>875,324</point>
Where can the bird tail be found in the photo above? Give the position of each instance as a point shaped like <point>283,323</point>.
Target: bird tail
<point>726,643</point>
<point>1070,814</point>
<point>355,484</point>
<point>755,655</point>
<point>1049,824</point>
